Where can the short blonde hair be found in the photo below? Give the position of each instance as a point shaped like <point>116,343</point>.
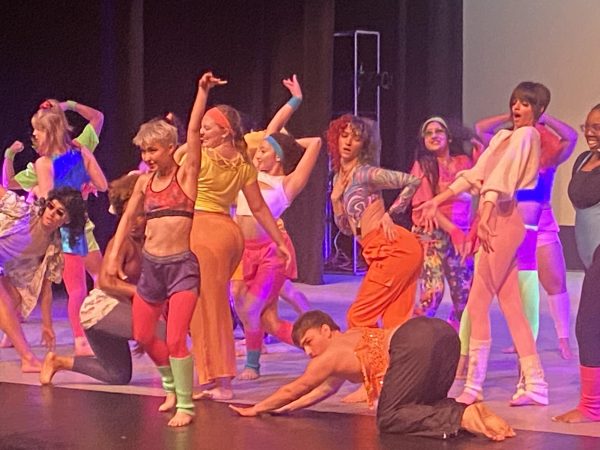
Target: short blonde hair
<point>156,131</point>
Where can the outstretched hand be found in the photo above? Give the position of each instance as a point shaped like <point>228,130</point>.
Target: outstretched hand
<point>48,338</point>
<point>208,81</point>
<point>293,86</point>
<point>249,411</point>
<point>428,210</point>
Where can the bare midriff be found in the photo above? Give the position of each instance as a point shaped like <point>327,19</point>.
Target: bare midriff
<point>168,235</point>
<point>371,218</point>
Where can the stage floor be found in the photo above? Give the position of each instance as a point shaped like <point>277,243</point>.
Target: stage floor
<point>54,417</point>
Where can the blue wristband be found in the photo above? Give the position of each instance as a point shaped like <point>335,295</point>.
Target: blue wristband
<point>294,102</point>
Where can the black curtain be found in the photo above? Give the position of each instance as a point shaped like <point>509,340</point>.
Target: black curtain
<point>136,59</point>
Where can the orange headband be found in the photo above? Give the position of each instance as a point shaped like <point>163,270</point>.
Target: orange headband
<point>219,118</point>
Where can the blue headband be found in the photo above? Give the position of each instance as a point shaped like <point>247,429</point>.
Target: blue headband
<point>278,150</point>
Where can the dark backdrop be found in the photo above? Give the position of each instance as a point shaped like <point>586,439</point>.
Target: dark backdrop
<point>136,59</point>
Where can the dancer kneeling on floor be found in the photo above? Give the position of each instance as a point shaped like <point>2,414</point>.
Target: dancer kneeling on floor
<point>409,369</point>
<point>169,269</point>
<point>106,312</point>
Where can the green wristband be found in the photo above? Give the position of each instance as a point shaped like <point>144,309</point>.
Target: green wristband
<point>9,154</point>
<point>71,105</point>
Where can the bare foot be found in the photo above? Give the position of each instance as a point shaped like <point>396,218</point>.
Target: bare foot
<point>5,342</point>
<point>358,396</point>
<point>217,393</point>
<point>169,403</point>
<point>82,347</point>
<point>180,419</point>
<point>510,349</point>
<point>248,374</point>
<point>48,368</point>
<point>523,398</point>
<point>480,420</point>
<point>461,369</point>
<point>30,365</point>
<point>573,416</point>
<point>565,348</point>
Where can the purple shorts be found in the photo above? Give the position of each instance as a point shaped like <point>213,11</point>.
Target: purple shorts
<point>163,276</point>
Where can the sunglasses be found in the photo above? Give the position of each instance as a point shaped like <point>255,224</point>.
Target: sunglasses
<point>52,207</point>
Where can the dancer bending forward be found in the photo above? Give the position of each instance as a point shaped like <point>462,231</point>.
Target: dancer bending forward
<point>409,369</point>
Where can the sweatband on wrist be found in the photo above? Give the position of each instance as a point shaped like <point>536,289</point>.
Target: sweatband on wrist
<point>294,102</point>
<point>9,154</point>
<point>71,105</point>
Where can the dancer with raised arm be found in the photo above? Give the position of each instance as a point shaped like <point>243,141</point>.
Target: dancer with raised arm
<point>557,141</point>
<point>510,163</point>
<point>169,269</point>
<point>284,167</point>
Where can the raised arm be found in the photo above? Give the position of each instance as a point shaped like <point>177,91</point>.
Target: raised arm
<point>192,150</point>
<point>487,128</point>
<point>283,115</point>
<point>568,137</point>
<point>93,116</point>
<point>296,181</point>
<point>8,168</point>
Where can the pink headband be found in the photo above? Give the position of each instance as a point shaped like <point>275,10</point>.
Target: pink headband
<point>219,118</point>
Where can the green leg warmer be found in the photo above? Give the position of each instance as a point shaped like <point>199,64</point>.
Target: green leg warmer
<point>464,333</point>
<point>183,375</point>
<point>166,375</point>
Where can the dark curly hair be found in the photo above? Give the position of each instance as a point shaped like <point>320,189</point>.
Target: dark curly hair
<point>74,204</point>
<point>309,320</point>
<point>292,151</point>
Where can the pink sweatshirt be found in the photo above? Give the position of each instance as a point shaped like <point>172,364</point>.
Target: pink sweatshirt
<point>503,169</point>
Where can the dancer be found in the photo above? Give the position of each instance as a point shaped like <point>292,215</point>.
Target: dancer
<point>510,163</point>
<point>218,243</point>
<point>558,141</point>
<point>106,312</point>
<point>444,254</point>
<point>393,254</point>
<point>284,166</point>
<point>409,368</point>
<point>584,193</point>
<point>169,269</point>
<point>27,180</point>
<point>61,164</point>
<point>31,260</point>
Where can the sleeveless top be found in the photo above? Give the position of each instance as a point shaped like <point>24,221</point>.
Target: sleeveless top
<point>171,201</point>
<point>584,193</point>
<point>69,171</point>
<point>374,358</point>
<point>275,197</point>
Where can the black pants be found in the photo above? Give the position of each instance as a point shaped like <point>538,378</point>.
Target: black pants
<point>587,327</point>
<point>424,354</point>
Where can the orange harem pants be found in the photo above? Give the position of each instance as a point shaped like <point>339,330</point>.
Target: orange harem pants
<point>389,287</point>
<point>217,242</point>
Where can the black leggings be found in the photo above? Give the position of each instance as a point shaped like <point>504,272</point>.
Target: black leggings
<point>414,399</point>
<point>109,339</point>
<point>587,327</point>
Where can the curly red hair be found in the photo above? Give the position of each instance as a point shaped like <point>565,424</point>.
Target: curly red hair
<point>367,130</point>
